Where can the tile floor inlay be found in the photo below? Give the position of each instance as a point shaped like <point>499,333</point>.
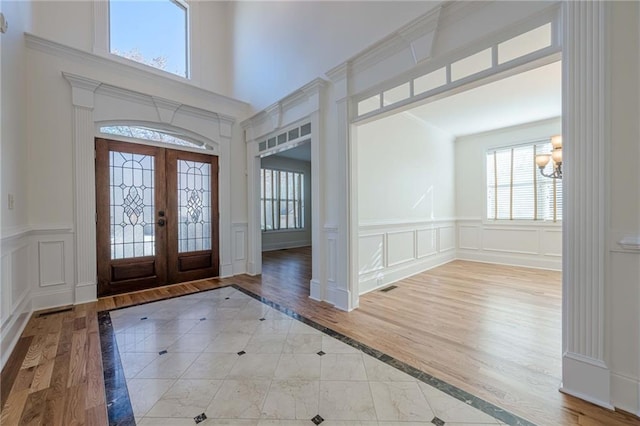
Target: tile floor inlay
<point>228,356</point>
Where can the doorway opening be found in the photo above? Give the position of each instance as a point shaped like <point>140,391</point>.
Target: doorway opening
<point>286,219</point>
<point>157,216</point>
<point>470,232</point>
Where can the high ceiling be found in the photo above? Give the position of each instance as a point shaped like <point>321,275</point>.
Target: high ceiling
<point>529,96</point>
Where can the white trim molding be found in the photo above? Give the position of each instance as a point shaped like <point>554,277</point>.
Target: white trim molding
<point>586,142</point>
<point>299,108</point>
<point>97,102</point>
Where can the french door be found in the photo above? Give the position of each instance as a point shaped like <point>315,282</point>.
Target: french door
<point>157,216</point>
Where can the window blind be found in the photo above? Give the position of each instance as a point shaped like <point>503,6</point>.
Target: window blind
<point>515,188</point>
<point>281,200</point>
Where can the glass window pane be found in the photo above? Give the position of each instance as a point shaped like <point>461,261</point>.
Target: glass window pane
<point>194,206</point>
<point>153,33</point>
<point>131,205</point>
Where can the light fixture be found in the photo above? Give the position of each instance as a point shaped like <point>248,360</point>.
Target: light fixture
<point>556,156</point>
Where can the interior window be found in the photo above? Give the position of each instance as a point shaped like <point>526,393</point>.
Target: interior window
<point>151,32</point>
<point>516,189</point>
<point>282,200</point>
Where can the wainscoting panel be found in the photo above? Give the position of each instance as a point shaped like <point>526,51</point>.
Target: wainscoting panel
<point>371,253</point>
<point>15,290</point>
<point>447,238</point>
<point>469,237</point>
<point>54,283</point>
<point>426,242</point>
<point>534,245</point>
<point>52,260</point>
<point>511,240</point>
<point>401,247</point>
<point>239,249</point>
<point>389,252</point>
<point>551,242</point>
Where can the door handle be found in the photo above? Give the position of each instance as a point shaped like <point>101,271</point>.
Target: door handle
<point>161,222</point>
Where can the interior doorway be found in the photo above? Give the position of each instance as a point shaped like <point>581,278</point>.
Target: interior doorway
<point>157,216</point>
<point>286,218</point>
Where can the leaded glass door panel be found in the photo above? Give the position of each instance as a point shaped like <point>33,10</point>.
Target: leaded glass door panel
<point>157,216</point>
<point>130,202</point>
<point>192,188</point>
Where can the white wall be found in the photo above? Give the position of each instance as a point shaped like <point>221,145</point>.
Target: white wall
<point>623,272</point>
<point>14,252</point>
<point>72,23</point>
<point>406,203</point>
<point>276,240</point>
<point>280,46</point>
<point>522,243</point>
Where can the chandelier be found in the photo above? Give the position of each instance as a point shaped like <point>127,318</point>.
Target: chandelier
<point>556,156</point>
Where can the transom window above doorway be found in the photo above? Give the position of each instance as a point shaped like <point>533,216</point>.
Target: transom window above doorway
<point>145,133</point>
<point>153,33</point>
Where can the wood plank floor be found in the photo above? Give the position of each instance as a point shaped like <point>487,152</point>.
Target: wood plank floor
<point>491,330</point>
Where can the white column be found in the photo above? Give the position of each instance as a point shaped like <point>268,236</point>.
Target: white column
<point>586,145</point>
<point>82,96</point>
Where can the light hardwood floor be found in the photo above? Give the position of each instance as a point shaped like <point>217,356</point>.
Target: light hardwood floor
<point>491,330</point>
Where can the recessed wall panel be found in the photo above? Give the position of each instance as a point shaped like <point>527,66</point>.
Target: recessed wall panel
<point>523,241</point>
<point>371,253</point>
<point>427,242</point>
<point>400,247</point>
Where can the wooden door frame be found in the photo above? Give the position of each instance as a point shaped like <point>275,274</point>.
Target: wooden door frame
<point>166,236</point>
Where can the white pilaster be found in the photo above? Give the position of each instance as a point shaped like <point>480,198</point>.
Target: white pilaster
<point>82,96</point>
<point>586,135</point>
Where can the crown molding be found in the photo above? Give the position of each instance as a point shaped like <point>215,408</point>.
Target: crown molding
<point>51,47</point>
<point>275,111</point>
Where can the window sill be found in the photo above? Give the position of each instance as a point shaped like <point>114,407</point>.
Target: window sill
<point>522,222</point>
<point>143,67</point>
<point>280,231</point>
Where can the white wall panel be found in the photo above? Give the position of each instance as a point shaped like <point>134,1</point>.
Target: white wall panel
<point>371,252</point>
<point>390,252</point>
<point>551,242</point>
<point>400,247</point>
<point>446,238</point>
<point>51,263</point>
<point>426,242</point>
<point>523,241</point>
<point>469,237</point>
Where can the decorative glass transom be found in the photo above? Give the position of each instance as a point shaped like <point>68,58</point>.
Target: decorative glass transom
<point>131,205</point>
<point>194,206</point>
<point>140,132</point>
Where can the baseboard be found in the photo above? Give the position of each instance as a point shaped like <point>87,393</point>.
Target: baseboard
<point>625,393</point>
<point>525,261</point>
<point>239,267</point>
<point>13,328</point>
<point>286,245</point>
<point>587,379</point>
<point>340,299</point>
<point>384,277</point>
<point>315,292</point>
<point>86,293</point>
<point>226,270</point>
<point>52,299</point>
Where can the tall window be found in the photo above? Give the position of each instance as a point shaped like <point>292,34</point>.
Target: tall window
<point>151,32</point>
<point>515,188</point>
<point>281,200</point>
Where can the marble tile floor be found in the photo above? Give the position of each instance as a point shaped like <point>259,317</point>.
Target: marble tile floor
<point>225,357</point>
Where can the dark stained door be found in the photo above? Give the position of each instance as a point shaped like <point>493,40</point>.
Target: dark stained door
<point>157,216</point>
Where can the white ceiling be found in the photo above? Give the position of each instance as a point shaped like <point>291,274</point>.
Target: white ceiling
<point>300,152</point>
<point>529,96</point>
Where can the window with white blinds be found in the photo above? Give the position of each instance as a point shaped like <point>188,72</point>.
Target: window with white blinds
<point>515,188</point>
<point>281,200</point>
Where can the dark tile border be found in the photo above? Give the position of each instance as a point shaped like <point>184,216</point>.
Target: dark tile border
<point>119,405</point>
<point>115,385</point>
